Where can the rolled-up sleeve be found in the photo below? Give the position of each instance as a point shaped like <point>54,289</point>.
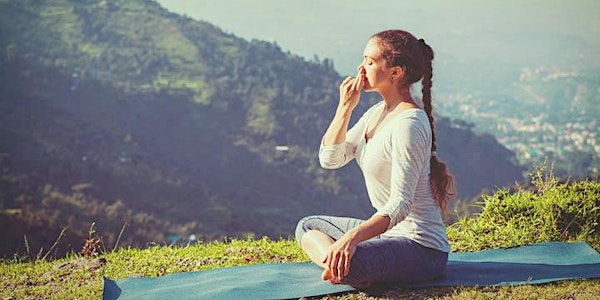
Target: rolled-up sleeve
<point>337,156</point>
<point>410,145</point>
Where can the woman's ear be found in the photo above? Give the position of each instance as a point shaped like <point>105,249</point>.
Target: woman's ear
<point>397,73</point>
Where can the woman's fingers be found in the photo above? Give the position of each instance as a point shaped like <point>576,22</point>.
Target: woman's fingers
<point>341,264</point>
<point>353,85</point>
<point>327,260</point>
<point>359,82</point>
<point>346,83</point>
<point>330,263</point>
<point>337,264</point>
<point>361,79</point>
<point>347,265</point>
<point>333,265</point>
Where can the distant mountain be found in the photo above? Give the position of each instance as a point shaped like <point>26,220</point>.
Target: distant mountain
<point>119,112</point>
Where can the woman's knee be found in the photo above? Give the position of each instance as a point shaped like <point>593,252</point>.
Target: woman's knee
<point>302,227</point>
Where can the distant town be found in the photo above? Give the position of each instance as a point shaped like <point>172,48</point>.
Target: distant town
<point>548,113</point>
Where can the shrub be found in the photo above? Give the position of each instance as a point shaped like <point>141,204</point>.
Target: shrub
<point>550,211</point>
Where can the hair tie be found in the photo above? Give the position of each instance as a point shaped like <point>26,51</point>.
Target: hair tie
<point>426,50</point>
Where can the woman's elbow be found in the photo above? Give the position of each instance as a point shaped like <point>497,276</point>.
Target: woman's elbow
<point>331,162</point>
<point>328,164</point>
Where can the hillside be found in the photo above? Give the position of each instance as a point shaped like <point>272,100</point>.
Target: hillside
<point>560,212</point>
<point>123,114</point>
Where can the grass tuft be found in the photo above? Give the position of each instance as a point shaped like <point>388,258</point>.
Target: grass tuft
<point>549,211</point>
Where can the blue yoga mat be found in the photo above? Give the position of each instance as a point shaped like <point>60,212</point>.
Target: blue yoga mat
<point>531,264</point>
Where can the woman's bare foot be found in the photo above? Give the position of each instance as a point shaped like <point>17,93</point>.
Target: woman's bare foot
<point>326,275</point>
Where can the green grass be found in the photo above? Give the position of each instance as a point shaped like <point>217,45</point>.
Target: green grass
<point>77,277</point>
<point>547,212</point>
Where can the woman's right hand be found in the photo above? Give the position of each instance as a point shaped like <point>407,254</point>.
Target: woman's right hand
<point>349,96</point>
<point>350,90</point>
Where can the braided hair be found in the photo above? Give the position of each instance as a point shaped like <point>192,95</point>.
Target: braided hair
<point>401,48</point>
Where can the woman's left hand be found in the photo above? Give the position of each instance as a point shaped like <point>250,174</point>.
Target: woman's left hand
<point>338,259</point>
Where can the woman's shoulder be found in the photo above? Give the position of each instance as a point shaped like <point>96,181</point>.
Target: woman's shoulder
<point>412,119</point>
<point>411,130</point>
<point>411,115</point>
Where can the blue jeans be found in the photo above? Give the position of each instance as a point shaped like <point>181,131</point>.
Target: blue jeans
<point>380,260</point>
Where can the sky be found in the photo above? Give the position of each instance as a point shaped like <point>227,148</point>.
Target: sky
<point>462,30</point>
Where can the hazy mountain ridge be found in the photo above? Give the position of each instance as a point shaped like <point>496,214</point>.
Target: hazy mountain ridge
<point>179,122</point>
<point>490,68</point>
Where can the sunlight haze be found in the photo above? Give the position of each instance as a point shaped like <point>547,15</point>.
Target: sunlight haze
<point>460,30</point>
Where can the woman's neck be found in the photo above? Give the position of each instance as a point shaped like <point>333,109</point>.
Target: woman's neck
<point>394,97</point>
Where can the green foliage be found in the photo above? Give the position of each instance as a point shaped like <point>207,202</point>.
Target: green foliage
<point>173,126</point>
<point>172,132</point>
<point>161,260</point>
<point>78,277</point>
<point>550,211</point>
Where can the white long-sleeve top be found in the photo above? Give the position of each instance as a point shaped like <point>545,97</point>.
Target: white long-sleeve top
<point>395,164</point>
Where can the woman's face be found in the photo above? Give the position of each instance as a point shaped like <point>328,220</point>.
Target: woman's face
<point>377,75</point>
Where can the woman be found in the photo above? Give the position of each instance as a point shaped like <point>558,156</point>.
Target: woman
<point>394,145</point>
